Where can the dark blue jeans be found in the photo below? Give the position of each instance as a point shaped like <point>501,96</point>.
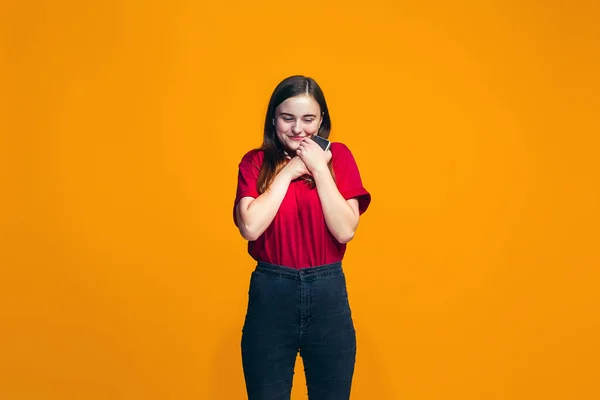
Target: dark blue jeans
<point>291,311</point>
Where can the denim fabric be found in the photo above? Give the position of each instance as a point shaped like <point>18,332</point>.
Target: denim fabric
<point>291,311</point>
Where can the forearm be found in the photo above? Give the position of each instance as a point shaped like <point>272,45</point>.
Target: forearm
<point>340,218</point>
<point>254,218</point>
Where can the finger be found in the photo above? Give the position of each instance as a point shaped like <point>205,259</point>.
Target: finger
<point>304,147</point>
<point>312,145</point>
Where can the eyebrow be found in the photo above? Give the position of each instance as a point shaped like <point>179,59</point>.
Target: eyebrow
<point>292,115</point>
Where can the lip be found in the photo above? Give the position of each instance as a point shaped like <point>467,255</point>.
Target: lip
<point>298,138</point>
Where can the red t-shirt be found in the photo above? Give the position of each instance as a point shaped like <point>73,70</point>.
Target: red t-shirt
<point>298,236</point>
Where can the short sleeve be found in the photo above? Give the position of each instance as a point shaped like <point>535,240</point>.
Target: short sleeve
<point>248,171</point>
<point>347,176</point>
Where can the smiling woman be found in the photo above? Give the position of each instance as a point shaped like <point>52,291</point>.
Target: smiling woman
<point>297,110</point>
<point>297,118</point>
<point>297,219</point>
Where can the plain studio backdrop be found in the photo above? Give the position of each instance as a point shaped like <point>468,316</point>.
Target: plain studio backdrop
<point>473,276</point>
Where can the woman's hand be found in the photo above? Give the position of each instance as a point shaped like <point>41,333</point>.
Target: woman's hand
<point>313,156</point>
<point>295,168</point>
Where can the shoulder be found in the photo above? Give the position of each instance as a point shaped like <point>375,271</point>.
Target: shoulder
<point>340,152</point>
<point>338,147</point>
<point>253,157</point>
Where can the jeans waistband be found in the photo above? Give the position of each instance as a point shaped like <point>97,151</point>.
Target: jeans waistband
<point>302,273</point>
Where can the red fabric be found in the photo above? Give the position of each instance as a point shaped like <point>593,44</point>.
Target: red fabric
<point>298,236</point>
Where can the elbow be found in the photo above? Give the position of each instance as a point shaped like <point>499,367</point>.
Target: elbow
<point>247,231</point>
<point>345,237</point>
<point>344,234</point>
<point>249,234</point>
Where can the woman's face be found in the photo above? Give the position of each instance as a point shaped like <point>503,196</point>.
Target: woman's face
<point>296,118</point>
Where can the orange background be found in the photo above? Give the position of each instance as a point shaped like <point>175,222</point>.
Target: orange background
<point>473,276</point>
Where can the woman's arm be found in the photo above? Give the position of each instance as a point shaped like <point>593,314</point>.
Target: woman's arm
<point>254,215</point>
<point>341,215</point>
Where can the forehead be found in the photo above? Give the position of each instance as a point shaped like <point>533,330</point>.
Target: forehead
<point>299,105</point>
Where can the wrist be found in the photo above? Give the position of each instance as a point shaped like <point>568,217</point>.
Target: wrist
<point>320,171</point>
<point>284,175</point>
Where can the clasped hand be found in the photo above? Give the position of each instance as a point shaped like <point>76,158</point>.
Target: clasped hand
<point>310,158</point>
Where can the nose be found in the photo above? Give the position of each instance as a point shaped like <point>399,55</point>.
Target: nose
<point>297,127</point>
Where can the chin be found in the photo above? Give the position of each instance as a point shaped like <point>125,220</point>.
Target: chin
<point>292,146</point>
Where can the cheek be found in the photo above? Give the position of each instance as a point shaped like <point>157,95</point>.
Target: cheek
<point>281,132</point>
<point>282,126</point>
<point>312,128</point>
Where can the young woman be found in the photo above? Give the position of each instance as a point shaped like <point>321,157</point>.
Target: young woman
<point>298,206</point>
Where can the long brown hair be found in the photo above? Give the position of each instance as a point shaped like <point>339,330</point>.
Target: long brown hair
<point>274,153</point>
